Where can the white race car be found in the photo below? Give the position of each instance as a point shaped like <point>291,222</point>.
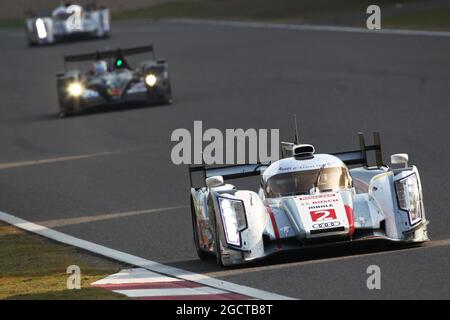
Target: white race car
<point>65,22</point>
<point>306,199</point>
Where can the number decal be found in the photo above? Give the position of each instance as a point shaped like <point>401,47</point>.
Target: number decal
<point>322,215</point>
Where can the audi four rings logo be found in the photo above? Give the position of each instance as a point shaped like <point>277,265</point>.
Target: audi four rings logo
<point>326,225</point>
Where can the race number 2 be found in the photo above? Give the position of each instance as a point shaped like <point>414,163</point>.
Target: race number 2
<point>322,215</point>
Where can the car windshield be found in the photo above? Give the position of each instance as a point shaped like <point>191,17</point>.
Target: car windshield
<point>300,182</point>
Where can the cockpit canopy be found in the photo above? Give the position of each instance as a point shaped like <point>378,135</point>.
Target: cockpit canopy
<point>301,182</point>
<point>291,176</point>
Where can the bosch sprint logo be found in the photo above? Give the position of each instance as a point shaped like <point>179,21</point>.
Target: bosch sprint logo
<point>323,215</point>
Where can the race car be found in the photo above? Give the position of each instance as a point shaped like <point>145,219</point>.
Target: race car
<point>68,21</point>
<point>306,199</point>
<point>112,80</point>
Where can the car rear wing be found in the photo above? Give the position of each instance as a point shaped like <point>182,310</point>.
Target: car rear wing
<point>359,157</point>
<point>109,54</point>
<point>227,172</point>
<point>356,157</point>
<point>30,14</point>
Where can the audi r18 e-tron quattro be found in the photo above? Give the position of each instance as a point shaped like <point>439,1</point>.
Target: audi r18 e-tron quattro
<point>306,199</point>
<point>67,21</point>
<point>113,80</point>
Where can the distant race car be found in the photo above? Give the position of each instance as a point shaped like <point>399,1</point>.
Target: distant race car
<point>112,80</point>
<point>306,199</point>
<point>67,22</point>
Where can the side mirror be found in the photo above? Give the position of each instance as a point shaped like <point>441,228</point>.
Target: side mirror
<point>400,158</point>
<point>215,181</point>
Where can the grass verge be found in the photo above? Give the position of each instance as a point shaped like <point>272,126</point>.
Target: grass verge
<point>336,12</point>
<point>260,10</point>
<point>434,19</point>
<point>412,14</point>
<point>32,267</point>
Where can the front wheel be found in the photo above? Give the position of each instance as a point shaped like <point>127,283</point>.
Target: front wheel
<point>217,248</point>
<point>201,254</point>
<point>168,99</point>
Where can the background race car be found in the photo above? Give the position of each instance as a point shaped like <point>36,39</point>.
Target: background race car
<point>113,80</point>
<point>67,22</point>
<point>306,199</point>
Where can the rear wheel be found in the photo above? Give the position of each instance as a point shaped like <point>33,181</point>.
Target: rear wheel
<point>201,254</point>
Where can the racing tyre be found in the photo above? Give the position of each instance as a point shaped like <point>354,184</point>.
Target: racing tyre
<point>201,254</point>
<point>31,43</point>
<point>64,114</point>
<point>65,110</point>
<point>168,99</point>
<point>217,247</point>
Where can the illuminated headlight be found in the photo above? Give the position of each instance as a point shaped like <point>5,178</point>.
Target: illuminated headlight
<point>40,28</point>
<point>233,219</point>
<point>150,80</point>
<point>408,197</point>
<point>75,89</point>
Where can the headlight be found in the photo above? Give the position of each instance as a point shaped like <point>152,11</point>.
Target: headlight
<point>40,28</point>
<point>408,197</point>
<point>233,219</point>
<point>150,80</point>
<point>75,89</point>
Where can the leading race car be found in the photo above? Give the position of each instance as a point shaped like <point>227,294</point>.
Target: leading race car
<point>306,199</point>
<point>112,80</point>
<point>67,22</point>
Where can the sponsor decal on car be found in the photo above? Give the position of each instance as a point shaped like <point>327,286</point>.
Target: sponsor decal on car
<point>321,215</point>
<point>326,225</point>
<point>138,87</point>
<point>115,91</point>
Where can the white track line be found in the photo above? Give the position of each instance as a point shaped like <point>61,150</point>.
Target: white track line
<point>28,163</point>
<point>135,275</point>
<point>103,216</point>
<point>151,284</point>
<point>147,293</point>
<point>138,261</point>
<point>305,27</point>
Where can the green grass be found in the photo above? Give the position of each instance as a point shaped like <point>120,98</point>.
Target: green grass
<point>262,10</point>
<point>32,267</point>
<point>343,12</point>
<point>290,11</point>
<point>437,19</point>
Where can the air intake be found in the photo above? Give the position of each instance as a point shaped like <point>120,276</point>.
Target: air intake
<point>303,151</point>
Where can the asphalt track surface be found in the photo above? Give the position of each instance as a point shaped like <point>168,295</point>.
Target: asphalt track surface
<point>337,83</point>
